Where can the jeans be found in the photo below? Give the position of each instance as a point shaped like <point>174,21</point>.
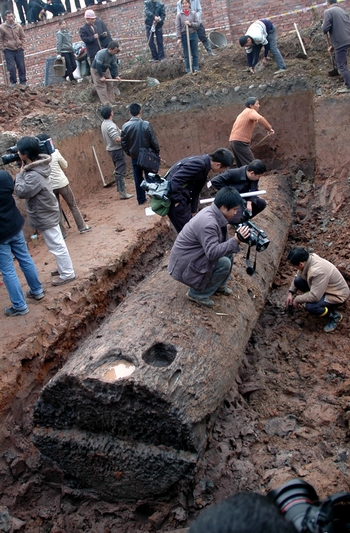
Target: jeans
<point>274,49</point>
<point>315,308</point>
<point>17,246</point>
<point>194,51</point>
<point>342,64</point>
<point>56,245</point>
<point>15,58</point>
<point>156,55</point>
<point>22,10</point>
<point>219,278</point>
<point>138,178</point>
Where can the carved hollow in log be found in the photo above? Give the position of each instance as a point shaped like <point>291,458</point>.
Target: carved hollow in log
<point>130,413</point>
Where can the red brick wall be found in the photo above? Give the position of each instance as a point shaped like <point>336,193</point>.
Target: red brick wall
<point>125,20</point>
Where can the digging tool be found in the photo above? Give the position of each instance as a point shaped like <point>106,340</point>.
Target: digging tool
<point>334,71</point>
<point>302,55</point>
<point>150,81</point>
<point>100,170</point>
<point>189,47</point>
<point>152,30</point>
<point>261,140</point>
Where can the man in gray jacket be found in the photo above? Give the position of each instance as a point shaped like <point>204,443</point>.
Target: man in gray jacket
<point>105,67</point>
<point>34,185</point>
<point>202,255</point>
<point>336,23</point>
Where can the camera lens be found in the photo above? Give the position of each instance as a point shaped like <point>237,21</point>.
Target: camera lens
<point>10,158</point>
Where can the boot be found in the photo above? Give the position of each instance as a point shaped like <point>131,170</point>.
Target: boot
<point>207,46</point>
<point>124,195</point>
<point>334,319</point>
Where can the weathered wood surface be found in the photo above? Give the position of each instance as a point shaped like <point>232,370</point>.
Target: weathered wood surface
<point>136,436</point>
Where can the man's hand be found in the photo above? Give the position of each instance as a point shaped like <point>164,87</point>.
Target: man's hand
<point>104,34</point>
<point>264,61</point>
<point>103,78</point>
<point>96,35</point>
<point>187,22</point>
<point>244,231</point>
<point>289,300</point>
<point>251,69</point>
<point>271,132</point>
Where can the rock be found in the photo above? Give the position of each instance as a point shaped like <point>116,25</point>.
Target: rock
<point>280,426</point>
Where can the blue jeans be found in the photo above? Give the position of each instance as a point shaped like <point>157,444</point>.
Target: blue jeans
<point>342,64</point>
<point>271,37</point>
<point>138,178</point>
<point>158,55</point>
<point>15,58</point>
<point>219,278</point>
<point>17,246</point>
<point>314,308</point>
<point>194,51</point>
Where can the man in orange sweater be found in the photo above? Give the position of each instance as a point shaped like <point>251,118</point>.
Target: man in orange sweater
<point>242,131</point>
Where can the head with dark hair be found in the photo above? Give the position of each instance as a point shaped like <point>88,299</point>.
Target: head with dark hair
<point>250,101</point>
<point>43,136</point>
<point>297,256</point>
<point>112,45</point>
<point>135,109</point>
<point>331,1</point>
<point>257,166</point>
<point>243,40</point>
<point>106,112</point>
<point>228,197</point>
<point>29,147</point>
<point>245,512</point>
<point>222,156</point>
<point>8,12</point>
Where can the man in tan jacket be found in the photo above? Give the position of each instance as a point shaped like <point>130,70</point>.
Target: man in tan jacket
<point>322,285</point>
<point>12,45</point>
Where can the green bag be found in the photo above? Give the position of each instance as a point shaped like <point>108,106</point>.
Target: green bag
<point>161,207</point>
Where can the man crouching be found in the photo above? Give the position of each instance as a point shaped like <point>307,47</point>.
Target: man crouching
<point>202,255</point>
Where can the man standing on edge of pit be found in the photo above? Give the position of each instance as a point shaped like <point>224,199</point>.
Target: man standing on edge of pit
<point>336,22</point>
<point>242,131</point>
<point>154,20</point>
<point>12,44</point>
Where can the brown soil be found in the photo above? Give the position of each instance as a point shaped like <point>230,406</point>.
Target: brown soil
<point>288,414</point>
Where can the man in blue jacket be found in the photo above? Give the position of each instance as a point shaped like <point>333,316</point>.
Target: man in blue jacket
<point>13,244</point>
<point>154,20</point>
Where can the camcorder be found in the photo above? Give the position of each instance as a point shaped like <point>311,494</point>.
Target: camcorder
<point>157,188</point>
<point>256,238</point>
<point>299,503</point>
<point>46,147</point>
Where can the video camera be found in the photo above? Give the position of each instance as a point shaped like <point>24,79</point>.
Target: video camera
<point>46,147</point>
<point>299,502</point>
<point>256,238</point>
<point>157,188</point>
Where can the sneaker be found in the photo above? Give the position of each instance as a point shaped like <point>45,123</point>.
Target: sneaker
<point>334,319</point>
<point>344,90</point>
<point>205,301</point>
<point>39,296</point>
<point>86,229</point>
<point>280,70</point>
<point>224,290</point>
<point>55,273</point>
<point>11,311</point>
<point>59,281</point>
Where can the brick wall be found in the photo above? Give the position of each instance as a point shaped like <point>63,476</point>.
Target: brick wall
<point>124,18</point>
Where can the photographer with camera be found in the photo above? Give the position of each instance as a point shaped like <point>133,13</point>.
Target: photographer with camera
<point>244,179</point>
<point>322,285</point>
<point>202,255</point>
<point>187,178</point>
<point>34,185</point>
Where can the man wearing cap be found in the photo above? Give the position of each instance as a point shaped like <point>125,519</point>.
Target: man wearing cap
<point>94,34</point>
<point>12,44</point>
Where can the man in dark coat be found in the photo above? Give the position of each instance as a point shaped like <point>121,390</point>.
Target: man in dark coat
<point>187,178</point>
<point>336,22</point>
<point>154,20</point>
<point>94,34</point>
<point>202,255</point>
<point>13,244</point>
<point>136,134</point>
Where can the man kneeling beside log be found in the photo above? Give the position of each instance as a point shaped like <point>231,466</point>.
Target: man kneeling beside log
<point>202,255</point>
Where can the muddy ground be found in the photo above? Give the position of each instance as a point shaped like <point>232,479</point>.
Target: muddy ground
<point>288,414</point>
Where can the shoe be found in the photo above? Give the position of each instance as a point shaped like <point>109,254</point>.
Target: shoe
<point>211,53</point>
<point>344,90</point>
<point>224,290</point>
<point>11,311</point>
<point>39,296</point>
<point>333,73</point>
<point>59,281</point>
<point>334,319</point>
<point>280,70</point>
<point>205,301</point>
<point>125,196</point>
<point>13,84</point>
<point>86,229</point>
<point>55,273</point>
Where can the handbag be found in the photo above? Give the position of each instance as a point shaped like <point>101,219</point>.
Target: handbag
<point>147,158</point>
<point>161,207</point>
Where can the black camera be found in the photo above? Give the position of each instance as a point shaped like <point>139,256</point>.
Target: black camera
<point>46,147</point>
<point>157,188</point>
<point>299,503</point>
<point>256,238</point>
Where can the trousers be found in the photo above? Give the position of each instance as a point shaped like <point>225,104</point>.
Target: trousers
<point>105,89</point>
<point>219,278</point>
<point>67,194</point>
<point>56,245</point>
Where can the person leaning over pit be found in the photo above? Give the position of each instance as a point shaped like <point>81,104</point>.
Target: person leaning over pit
<point>112,138</point>
<point>244,179</point>
<point>187,178</point>
<point>34,185</point>
<point>242,131</point>
<point>13,245</point>
<point>104,67</point>
<point>322,285</point>
<point>202,255</point>
<point>336,22</point>
<point>61,187</point>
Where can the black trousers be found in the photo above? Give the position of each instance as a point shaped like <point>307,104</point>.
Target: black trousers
<point>70,64</point>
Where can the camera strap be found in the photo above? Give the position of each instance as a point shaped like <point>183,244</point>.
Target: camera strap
<point>250,269</point>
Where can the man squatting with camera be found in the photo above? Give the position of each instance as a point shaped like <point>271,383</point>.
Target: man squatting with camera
<point>187,178</point>
<point>202,255</point>
<point>322,285</point>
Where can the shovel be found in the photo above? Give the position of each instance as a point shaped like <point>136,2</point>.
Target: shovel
<point>303,54</point>
<point>189,48</point>
<point>334,71</point>
<point>151,82</point>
